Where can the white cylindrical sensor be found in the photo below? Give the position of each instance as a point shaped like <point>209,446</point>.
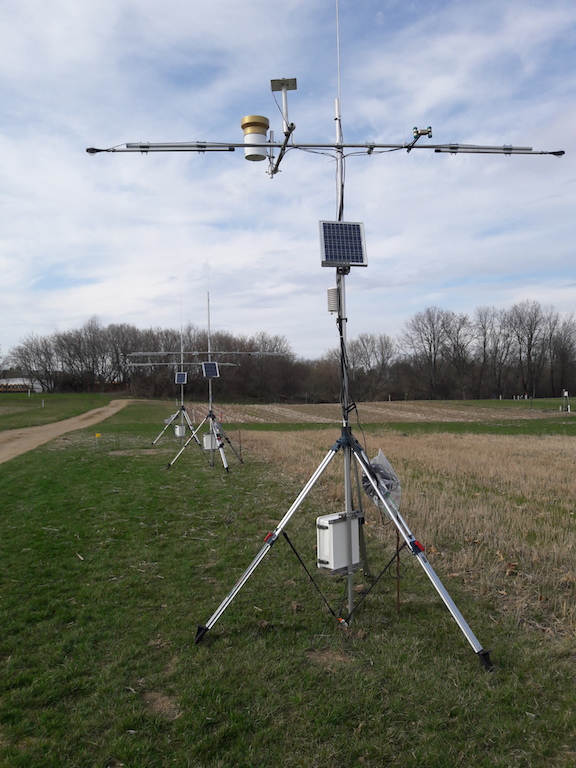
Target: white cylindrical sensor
<point>255,128</point>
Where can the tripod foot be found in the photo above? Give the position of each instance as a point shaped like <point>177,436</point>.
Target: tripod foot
<point>484,657</point>
<point>200,632</point>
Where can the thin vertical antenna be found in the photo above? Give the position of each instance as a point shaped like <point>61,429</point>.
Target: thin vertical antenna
<point>339,136</point>
<point>338,46</point>
<point>340,276</point>
<point>209,355</point>
<point>209,342</point>
<point>181,360</point>
<point>181,338</point>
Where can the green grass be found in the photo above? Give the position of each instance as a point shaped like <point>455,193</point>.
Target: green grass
<point>18,410</point>
<point>109,560</point>
<point>536,427</point>
<point>535,404</point>
<point>565,426</point>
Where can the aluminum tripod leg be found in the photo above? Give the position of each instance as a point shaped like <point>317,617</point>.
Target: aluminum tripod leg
<point>219,442</point>
<point>169,423</point>
<point>268,542</point>
<point>187,443</point>
<point>393,513</point>
<point>219,436</point>
<point>222,434</point>
<point>188,420</point>
<point>361,537</point>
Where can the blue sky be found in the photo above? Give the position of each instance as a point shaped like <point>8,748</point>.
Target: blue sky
<point>141,239</point>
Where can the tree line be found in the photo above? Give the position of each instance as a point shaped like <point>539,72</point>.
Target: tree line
<point>525,351</point>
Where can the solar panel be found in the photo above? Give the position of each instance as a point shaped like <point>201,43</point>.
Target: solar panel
<point>342,244</point>
<point>181,377</point>
<point>210,370</point>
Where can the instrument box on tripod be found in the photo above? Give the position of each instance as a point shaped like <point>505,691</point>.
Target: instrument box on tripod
<point>333,544</point>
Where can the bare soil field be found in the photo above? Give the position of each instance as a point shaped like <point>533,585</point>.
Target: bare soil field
<point>395,411</point>
<point>14,442</point>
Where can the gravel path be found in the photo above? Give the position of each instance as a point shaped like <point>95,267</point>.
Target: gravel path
<point>14,442</point>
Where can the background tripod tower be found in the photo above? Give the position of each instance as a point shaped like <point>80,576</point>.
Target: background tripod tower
<point>181,378</point>
<point>182,413</point>
<point>215,438</point>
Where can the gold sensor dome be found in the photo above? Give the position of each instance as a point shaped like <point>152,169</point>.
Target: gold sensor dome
<point>255,128</point>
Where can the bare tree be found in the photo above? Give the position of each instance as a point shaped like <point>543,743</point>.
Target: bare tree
<point>269,367</point>
<point>323,384</point>
<point>424,339</point>
<point>121,340</point>
<point>37,359</point>
<point>482,323</point>
<point>445,354</point>
<point>528,323</point>
<point>561,353</point>
<point>83,354</point>
<point>152,375</point>
<point>501,351</point>
<point>458,350</point>
<point>370,357</point>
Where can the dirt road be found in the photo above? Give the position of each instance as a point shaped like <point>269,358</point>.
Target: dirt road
<point>14,442</point>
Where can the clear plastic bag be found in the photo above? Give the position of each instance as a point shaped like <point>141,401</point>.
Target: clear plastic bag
<point>388,482</point>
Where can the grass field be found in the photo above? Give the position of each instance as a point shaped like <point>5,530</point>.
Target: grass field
<point>19,410</point>
<point>109,561</point>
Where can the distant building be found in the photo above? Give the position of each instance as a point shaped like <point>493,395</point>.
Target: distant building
<point>19,385</point>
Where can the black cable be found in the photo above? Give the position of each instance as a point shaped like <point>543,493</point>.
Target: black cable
<point>310,151</point>
<point>346,621</point>
<point>349,405</point>
<point>376,580</point>
<point>303,564</point>
<point>369,153</point>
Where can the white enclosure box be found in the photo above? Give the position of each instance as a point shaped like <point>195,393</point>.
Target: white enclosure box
<point>179,430</point>
<point>210,442</point>
<point>332,542</point>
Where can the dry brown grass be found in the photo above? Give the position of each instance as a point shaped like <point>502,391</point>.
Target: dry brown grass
<point>495,512</point>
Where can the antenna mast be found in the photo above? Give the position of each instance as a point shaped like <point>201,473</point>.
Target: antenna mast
<point>209,348</point>
<point>342,321</point>
<point>338,119</point>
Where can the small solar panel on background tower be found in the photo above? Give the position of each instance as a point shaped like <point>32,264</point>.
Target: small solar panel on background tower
<point>342,244</point>
<point>181,377</point>
<point>210,370</point>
